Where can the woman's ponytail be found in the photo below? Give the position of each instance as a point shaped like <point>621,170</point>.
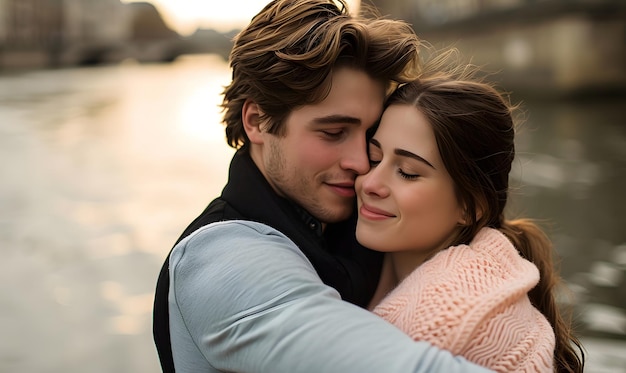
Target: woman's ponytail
<point>535,246</point>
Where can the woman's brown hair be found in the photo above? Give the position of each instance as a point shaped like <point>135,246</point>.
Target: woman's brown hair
<point>473,124</point>
<point>284,58</point>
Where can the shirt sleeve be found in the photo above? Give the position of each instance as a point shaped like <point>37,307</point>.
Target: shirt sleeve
<point>251,302</point>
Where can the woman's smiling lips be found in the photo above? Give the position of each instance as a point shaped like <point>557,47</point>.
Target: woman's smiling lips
<point>373,213</point>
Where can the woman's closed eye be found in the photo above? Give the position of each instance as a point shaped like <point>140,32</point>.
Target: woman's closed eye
<point>406,175</point>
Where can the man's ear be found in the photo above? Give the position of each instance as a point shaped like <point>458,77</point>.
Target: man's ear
<point>251,118</point>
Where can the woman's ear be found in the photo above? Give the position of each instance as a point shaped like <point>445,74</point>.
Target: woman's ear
<point>462,221</point>
<point>251,118</point>
<point>464,218</point>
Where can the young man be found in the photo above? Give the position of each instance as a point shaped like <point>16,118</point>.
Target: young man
<point>256,282</point>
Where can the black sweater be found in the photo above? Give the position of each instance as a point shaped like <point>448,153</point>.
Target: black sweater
<point>334,253</point>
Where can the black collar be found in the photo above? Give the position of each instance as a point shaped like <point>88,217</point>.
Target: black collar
<point>249,192</point>
<point>311,222</point>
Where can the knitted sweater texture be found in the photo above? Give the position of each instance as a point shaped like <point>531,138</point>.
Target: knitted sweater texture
<point>472,300</point>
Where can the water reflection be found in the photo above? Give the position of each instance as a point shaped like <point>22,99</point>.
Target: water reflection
<point>103,167</point>
<point>571,174</point>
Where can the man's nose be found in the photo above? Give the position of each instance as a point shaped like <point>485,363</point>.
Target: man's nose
<point>355,157</point>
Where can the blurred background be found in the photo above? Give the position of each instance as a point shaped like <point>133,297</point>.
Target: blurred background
<point>111,142</point>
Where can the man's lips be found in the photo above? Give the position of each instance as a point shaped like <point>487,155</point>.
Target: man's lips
<point>344,189</point>
<point>373,213</point>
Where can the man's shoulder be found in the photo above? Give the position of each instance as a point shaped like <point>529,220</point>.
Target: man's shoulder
<point>234,238</point>
<point>237,250</point>
<point>234,229</point>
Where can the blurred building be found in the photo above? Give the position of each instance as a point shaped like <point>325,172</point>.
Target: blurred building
<point>40,33</point>
<point>560,47</point>
<point>3,22</point>
<point>29,29</point>
<point>94,30</point>
<point>150,38</point>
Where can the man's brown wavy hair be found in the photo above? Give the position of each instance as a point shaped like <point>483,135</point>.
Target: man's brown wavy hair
<point>285,57</point>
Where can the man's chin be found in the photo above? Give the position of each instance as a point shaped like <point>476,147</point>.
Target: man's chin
<point>338,215</point>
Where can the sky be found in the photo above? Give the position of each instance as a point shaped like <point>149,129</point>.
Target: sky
<point>222,15</point>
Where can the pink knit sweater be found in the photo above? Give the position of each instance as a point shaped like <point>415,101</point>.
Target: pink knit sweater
<point>472,300</point>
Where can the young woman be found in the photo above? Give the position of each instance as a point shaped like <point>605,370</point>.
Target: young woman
<point>457,273</point>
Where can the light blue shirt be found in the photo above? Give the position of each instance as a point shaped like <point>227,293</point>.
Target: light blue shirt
<point>243,298</point>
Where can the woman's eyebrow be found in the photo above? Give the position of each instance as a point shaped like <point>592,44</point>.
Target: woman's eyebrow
<point>404,153</point>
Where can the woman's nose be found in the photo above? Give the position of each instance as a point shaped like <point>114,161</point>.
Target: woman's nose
<point>373,182</point>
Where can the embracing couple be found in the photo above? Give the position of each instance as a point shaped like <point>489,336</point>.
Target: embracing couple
<point>362,228</point>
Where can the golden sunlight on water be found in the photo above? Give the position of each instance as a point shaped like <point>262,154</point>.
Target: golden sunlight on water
<point>102,168</point>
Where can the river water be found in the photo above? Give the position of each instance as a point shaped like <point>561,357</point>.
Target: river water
<point>103,167</point>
